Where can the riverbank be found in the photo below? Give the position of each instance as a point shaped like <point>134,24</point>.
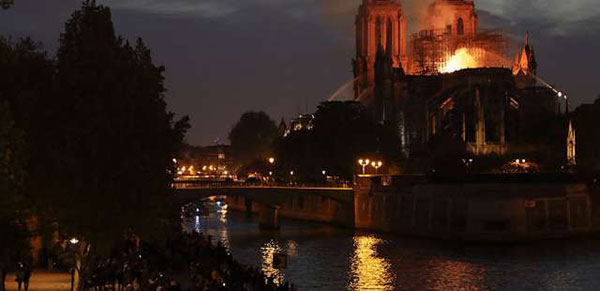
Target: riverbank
<point>42,280</point>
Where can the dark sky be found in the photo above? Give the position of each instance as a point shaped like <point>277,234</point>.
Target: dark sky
<point>224,57</point>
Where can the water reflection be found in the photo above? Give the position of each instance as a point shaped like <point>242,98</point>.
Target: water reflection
<point>223,233</point>
<point>368,269</point>
<point>268,251</point>
<point>324,258</point>
<point>449,273</point>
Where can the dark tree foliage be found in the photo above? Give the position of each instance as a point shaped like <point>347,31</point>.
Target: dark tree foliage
<point>25,73</point>
<point>109,139</point>
<point>13,230</point>
<point>342,133</point>
<point>5,4</point>
<point>252,137</point>
<point>447,152</point>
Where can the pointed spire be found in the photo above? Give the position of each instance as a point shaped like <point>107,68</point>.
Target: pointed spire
<point>525,59</point>
<point>571,145</point>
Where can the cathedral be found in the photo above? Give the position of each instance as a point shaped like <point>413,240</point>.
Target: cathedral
<point>448,77</point>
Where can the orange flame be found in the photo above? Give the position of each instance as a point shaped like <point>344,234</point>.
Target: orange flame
<point>463,58</point>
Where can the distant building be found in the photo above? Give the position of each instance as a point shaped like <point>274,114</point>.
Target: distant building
<point>207,162</point>
<point>586,119</point>
<point>454,79</point>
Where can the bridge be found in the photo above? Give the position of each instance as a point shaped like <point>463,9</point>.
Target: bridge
<point>331,204</point>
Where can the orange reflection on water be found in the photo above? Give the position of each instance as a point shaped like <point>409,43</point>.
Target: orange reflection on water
<point>268,250</point>
<point>369,271</point>
<point>452,274</point>
<point>223,232</point>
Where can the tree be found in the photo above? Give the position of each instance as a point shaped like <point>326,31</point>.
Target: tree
<point>109,140</point>
<point>342,132</point>
<point>26,73</point>
<point>5,4</point>
<point>252,137</point>
<point>448,154</point>
<point>13,229</point>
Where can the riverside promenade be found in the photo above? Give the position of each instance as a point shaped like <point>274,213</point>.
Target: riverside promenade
<point>42,280</point>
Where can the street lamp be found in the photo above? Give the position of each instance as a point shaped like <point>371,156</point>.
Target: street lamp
<point>377,165</point>
<point>73,241</point>
<point>363,163</point>
<point>271,160</point>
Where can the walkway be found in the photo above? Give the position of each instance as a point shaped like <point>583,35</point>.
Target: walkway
<point>43,280</point>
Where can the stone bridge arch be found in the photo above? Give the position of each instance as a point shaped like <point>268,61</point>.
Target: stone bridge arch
<point>329,205</point>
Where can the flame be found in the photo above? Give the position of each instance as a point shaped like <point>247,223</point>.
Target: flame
<point>463,58</point>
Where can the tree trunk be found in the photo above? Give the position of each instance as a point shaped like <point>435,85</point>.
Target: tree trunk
<point>77,274</point>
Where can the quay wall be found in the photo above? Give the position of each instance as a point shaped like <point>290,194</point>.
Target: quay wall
<point>313,208</point>
<point>490,211</point>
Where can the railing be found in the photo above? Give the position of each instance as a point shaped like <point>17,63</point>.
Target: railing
<point>208,184</point>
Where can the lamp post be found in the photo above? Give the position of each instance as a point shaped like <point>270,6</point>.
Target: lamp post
<point>74,241</point>
<point>377,165</point>
<point>363,164</point>
<point>271,161</point>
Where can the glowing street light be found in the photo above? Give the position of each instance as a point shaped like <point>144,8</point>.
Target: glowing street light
<point>291,173</point>
<point>74,241</point>
<point>324,172</point>
<point>271,160</point>
<point>363,164</point>
<point>377,165</point>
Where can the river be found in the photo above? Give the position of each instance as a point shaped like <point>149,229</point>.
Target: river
<point>321,257</point>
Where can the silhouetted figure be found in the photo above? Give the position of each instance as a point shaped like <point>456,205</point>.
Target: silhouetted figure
<point>20,274</point>
<point>26,274</point>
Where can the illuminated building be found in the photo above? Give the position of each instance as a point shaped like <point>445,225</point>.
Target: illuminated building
<point>455,79</point>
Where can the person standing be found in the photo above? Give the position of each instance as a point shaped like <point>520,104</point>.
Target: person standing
<point>20,275</point>
<point>26,275</point>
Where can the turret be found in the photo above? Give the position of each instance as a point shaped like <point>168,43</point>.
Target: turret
<point>525,67</point>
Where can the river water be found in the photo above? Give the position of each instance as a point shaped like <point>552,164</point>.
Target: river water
<point>321,257</point>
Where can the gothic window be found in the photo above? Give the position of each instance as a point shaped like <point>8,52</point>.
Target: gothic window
<point>460,27</point>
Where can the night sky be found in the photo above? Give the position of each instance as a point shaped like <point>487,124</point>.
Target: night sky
<point>224,57</point>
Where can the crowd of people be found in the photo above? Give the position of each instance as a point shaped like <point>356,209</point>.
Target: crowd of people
<point>213,268</point>
<point>189,261</point>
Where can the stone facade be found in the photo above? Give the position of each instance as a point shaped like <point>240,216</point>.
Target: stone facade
<point>489,108</point>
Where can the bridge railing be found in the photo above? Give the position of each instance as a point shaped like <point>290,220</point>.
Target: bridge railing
<point>206,184</point>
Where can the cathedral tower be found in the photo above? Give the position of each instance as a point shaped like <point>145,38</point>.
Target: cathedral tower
<point>457,16</point>
<point>378,23</point>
